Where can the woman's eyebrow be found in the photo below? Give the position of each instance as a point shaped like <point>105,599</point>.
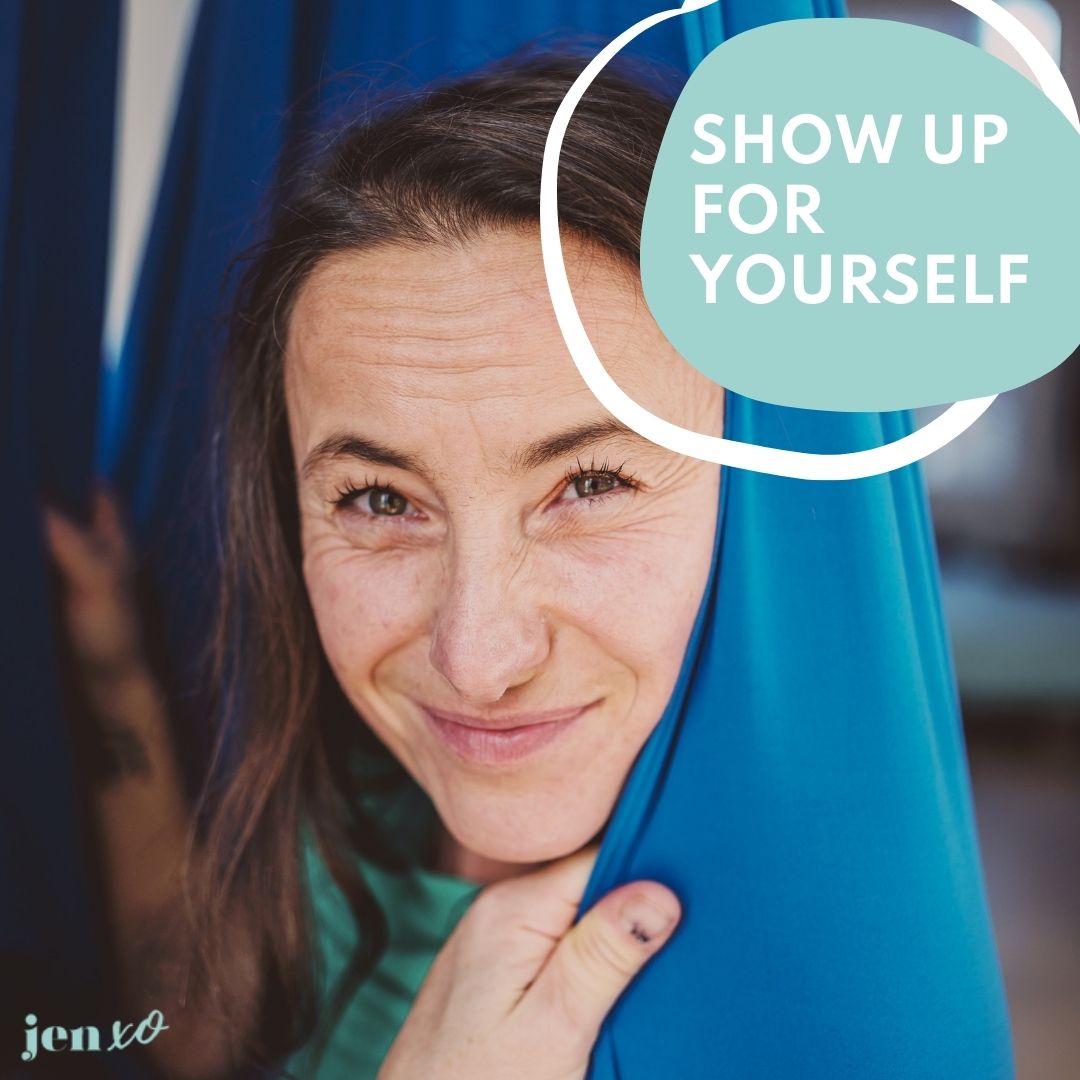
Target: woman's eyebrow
<point>346,445</point>
<point>550,448</point>
<point>553,447</point>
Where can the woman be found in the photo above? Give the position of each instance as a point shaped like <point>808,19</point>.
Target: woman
<point>432,525</point>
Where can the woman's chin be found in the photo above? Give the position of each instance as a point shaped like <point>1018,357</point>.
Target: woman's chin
<point>486,838</point>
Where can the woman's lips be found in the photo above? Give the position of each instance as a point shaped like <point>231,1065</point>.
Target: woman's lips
<point>504,739</point>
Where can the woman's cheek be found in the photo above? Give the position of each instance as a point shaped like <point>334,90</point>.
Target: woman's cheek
<point>635,586</point>
<point>366,607</point>
<point>636,601</point>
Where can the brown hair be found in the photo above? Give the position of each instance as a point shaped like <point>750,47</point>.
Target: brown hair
<point>440,166</point>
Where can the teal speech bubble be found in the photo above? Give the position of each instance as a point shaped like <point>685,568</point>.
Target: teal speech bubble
<point>812,239</point>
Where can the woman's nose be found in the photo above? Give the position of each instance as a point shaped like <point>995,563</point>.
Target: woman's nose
<point>489,634</point>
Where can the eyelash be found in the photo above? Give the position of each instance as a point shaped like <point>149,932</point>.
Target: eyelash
<point>626,479</point>
<point>350,493</point>
<point>344,496</point>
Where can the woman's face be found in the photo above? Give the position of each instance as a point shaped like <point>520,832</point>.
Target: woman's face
<point>504,578</point>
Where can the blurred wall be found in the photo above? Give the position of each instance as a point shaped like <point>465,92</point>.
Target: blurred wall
<point>1009,488</point>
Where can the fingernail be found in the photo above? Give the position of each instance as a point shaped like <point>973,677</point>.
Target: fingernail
<point>643,920</point>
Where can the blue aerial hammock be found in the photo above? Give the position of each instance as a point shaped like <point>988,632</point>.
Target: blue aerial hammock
<point>57,107</point>
<point>806,792</point>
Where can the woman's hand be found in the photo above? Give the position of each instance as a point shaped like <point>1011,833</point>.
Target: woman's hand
<point>518,989</point>
<point>99,611</point>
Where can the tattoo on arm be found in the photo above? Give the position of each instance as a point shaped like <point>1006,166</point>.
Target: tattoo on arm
<point>118,753</point>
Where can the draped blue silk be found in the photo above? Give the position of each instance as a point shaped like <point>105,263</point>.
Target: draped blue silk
<point>806,792</point>
<point>57,83</point>
<point>806,795</point>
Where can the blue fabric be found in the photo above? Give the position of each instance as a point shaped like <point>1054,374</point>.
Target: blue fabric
<point>806,795</point>
<point>54,195</point>
<point>57,103</point>
<point>806,791</point>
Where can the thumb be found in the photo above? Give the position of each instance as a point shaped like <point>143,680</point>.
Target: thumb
<point>601,954</point>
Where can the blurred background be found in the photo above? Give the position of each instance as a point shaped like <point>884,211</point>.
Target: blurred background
<point>194,91</point>
<point>1006,500</point>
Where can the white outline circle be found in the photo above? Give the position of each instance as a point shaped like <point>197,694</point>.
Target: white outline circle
<point>880,459</point>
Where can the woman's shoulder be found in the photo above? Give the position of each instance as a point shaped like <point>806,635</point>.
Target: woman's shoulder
<point>421,907</point>
<point>420,904</point>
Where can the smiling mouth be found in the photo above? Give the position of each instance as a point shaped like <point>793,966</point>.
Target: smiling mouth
<point>501,740</point>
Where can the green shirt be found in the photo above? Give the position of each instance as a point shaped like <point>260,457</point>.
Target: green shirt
<point>421,907</point>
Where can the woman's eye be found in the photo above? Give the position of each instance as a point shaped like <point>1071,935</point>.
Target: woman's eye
<point>373,501</point>
<point>386,503</point>
<point>595,484</point>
